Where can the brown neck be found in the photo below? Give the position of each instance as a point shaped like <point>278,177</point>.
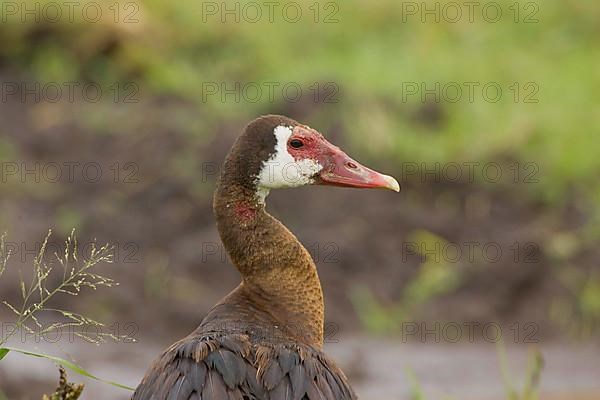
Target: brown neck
<point>278,274</point>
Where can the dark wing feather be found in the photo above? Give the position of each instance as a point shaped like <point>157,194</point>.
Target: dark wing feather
<point>313,392</point>
<point>324,387</point>
<point>215,387</point>
<point>298,382</point>
<point>181,389</point>
<point>252,382</point>
<point>198,368</point>
<point>231,367</point>
<point>283,390</point>
<point>297,372</point>
<point>273,375</point>
<point>196,371</point>
<point>287,359</point>
<point>234,367</point>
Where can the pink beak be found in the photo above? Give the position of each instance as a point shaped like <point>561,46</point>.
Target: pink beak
<point>341,170</point>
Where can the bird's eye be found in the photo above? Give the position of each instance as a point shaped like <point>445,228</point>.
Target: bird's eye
<point>296,143</point>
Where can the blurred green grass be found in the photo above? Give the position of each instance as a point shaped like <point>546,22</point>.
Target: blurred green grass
<point>370,53</point>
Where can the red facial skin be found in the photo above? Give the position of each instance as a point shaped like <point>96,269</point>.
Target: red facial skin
<point>338,168</point>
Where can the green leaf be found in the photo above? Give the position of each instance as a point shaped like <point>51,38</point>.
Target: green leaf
<point>72,366</point>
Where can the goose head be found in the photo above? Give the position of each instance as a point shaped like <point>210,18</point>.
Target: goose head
<point>277,152</point>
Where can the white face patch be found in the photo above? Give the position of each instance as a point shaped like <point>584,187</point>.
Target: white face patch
<point>282,170</point>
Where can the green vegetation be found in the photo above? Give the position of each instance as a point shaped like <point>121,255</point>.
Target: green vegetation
<point>579,314</point>
<point>435,277</point>
<point>535,364</point>
<point>531,384</point>
<point>176,49</point>
<point>37,296</point>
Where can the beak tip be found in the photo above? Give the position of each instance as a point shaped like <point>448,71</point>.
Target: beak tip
<point>392,183</point>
